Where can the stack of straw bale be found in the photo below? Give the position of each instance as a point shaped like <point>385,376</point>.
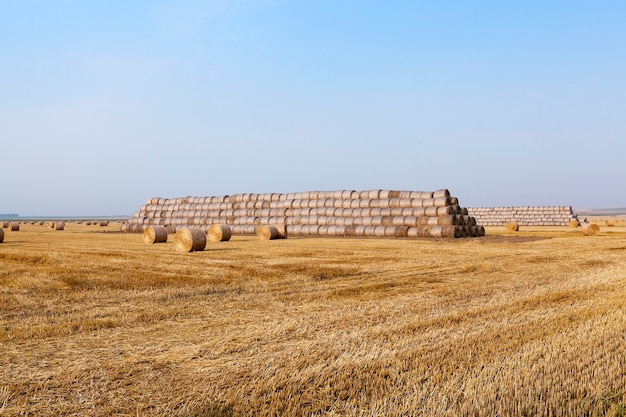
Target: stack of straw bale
<point>349,213</point>
<point>524,215</point>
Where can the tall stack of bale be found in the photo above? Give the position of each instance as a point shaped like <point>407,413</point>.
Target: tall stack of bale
<point>524,215</point>
<point>350,213</point>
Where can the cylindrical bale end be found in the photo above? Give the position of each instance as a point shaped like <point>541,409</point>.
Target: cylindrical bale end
<point>271,232</point>
<point>155,234</point>
<point>219,233</point>
<point>59,226</point>
<point>590,229</point>
<point>190,240</point>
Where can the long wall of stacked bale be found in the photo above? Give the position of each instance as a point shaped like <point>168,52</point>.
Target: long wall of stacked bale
<point>349,213</point>
<point>524,215</point>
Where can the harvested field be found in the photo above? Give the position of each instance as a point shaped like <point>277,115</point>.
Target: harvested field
<point>95,322</point>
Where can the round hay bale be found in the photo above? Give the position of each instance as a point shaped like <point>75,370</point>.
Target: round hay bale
<point>609,223</point>
<point>574,223</point>
<point>590,229</point>
<point>451,231</point>
<point>190,240</point>
<point>155,234</point>
<point>271,232</point>
<point>373,194</point>
<point>512,226</point>
<point>441,201</point>
<point>401,231</point>
<point>14,226</point>
<point>379,231</point>
<point>441,193</point>
<point>59,226</point>
<point>1,235</point>
<point>435,231</point>
<point>350,231</point>
<point>386,220</point>
<point>219,233</point>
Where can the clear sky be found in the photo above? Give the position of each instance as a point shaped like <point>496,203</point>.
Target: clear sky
<point>106,103</point>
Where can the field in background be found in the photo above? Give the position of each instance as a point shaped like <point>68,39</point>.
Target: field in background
<point>95,322</point>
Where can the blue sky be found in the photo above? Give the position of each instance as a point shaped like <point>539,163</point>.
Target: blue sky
<point>104,104</point>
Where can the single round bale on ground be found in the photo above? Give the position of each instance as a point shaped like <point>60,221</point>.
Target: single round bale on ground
<point>1,235</point>
<point>155,234</point>
<point>590,229</point>
<point>190,240</point>
<point>271,232</point>
<point>512,226</point>
<point>219,233</point>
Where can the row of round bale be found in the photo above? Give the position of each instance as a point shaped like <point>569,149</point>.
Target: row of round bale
<point>194,239</point>
<point>525,215</point>
<point>56,225</point>
<point>349,213</point>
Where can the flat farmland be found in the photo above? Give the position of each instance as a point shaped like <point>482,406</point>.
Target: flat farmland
<point>96,322</point>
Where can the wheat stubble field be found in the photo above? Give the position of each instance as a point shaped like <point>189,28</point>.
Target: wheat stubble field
<point>96,322</point>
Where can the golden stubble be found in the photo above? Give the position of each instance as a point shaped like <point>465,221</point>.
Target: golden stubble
<point>97,322</point>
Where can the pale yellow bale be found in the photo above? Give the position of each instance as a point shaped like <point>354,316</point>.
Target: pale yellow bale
<point>219,233</point>
<point>190,240</point>
<point>155,234</point>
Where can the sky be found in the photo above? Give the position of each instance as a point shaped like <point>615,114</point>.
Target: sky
<point>107,103</point>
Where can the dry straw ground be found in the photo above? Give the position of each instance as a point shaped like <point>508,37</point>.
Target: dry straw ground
<point>94,322</point>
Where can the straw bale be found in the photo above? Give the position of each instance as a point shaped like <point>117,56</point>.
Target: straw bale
<point>441,193</point>
<point>386,220</point>
<point>435,231</point>
<point>512,226</point>
<point>379,231</point>
<point>349,231</point>
<point>393,194</point>
<point>451,231</point>
<point>311,229</point>
<point>59,226</point>
<point>373,194</point>
<point>14,226</point>
<point>430,211</point>
<point>271,232</point>
<point>155,234</point>
<point>574,223</point>
<point>1,235</point>
<point>359,230</point>
<point>219,233</point>
<point>590,229</point>
<point>416,203</point>
<point>190,240</point>
<point>400,231</point>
